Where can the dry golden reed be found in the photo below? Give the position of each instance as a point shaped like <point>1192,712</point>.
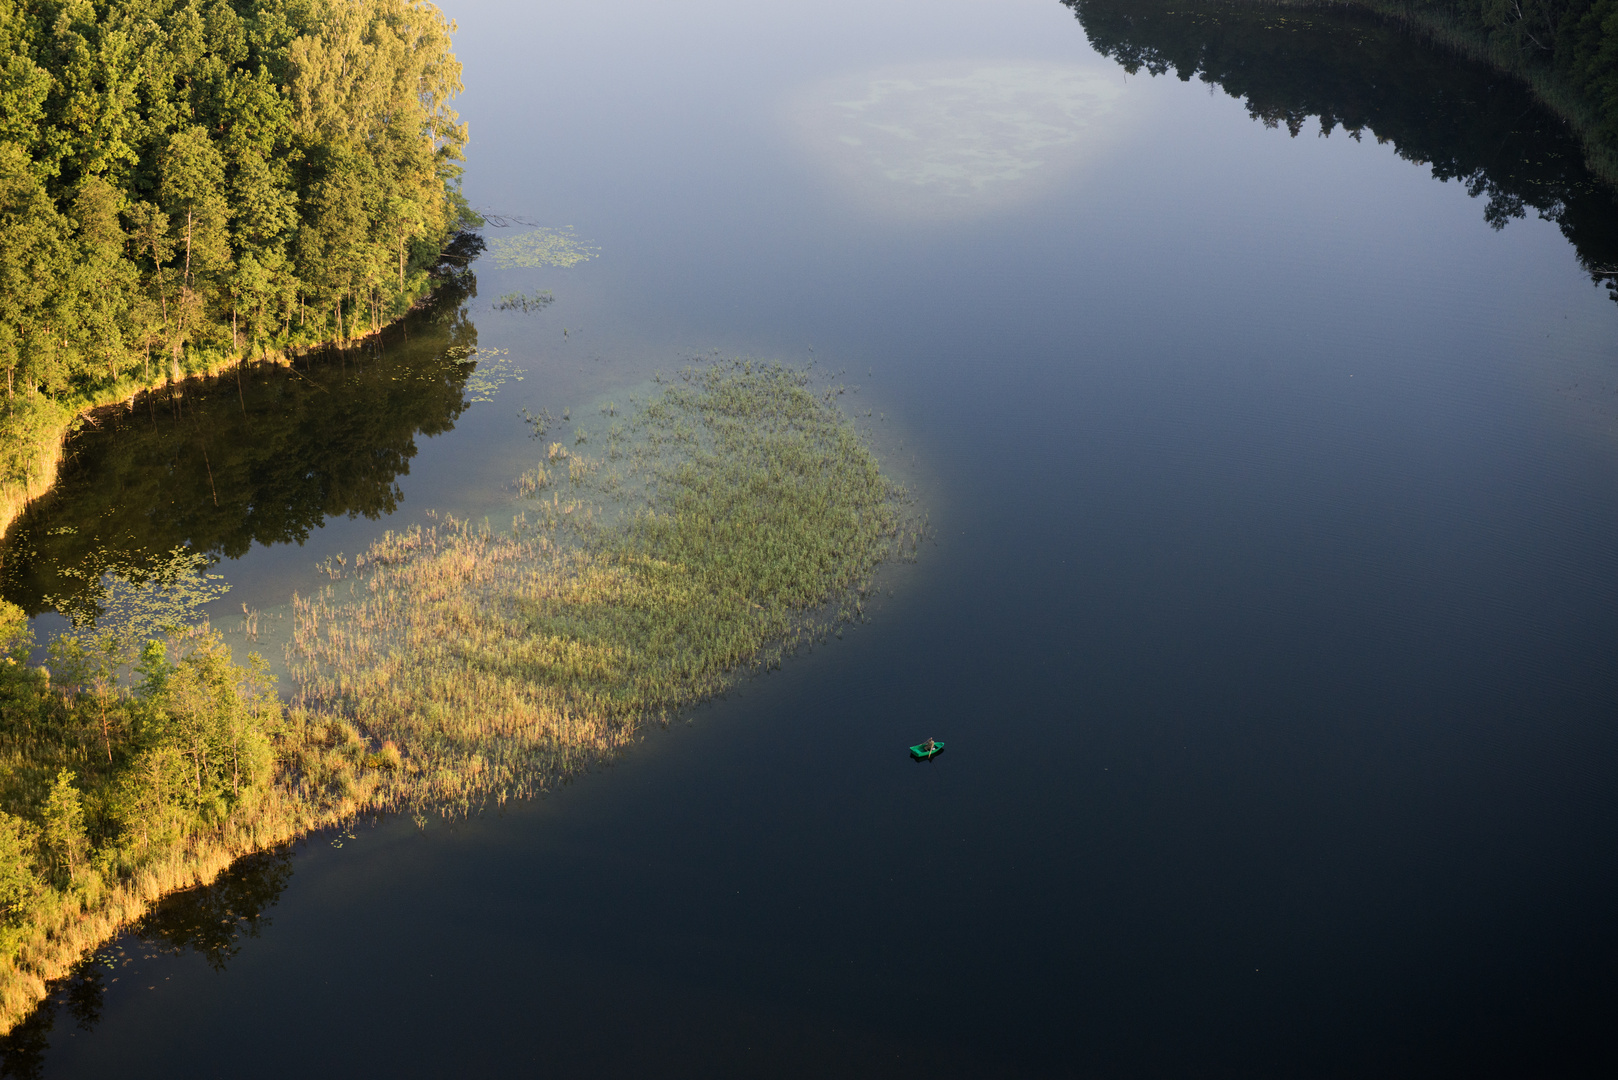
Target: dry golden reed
<point>735,517</point>
<point>741,516</point>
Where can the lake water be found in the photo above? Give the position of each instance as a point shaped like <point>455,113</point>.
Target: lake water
<point>1269,616</point>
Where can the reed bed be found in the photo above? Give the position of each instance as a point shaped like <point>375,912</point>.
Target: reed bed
<point>737,517</point>
<point>741,518</point>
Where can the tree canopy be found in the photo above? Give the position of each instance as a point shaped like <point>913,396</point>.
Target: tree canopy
<point>187,181</point>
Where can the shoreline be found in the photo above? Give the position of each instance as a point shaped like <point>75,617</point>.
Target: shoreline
<point>80,927</point>
<point>398,703</point>
<point>44,456</point>
<point>41,455</point>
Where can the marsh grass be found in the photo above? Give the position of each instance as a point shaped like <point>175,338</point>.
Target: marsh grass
<point>745,519</point>
<point>454,664</point>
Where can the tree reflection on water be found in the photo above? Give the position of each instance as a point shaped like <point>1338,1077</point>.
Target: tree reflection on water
<point>211,920</point>
<point>262,455</point>
<point>1338,66</point>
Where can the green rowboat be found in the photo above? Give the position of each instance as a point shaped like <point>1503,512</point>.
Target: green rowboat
<point>923,751</point>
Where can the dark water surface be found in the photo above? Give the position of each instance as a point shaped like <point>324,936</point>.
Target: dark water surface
<point>1270,620</point>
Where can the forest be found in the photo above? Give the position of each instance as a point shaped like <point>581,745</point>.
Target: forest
<point>186,183</point>
<point>1564,51</point>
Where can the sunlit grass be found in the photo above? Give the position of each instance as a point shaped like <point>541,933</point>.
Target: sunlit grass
<point>737,517</point>
<point>746,519</point>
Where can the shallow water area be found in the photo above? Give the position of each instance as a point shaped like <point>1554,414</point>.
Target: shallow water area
<point>1269,616</point>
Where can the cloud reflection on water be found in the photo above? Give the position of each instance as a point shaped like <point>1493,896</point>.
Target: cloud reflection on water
<point>957,138</point>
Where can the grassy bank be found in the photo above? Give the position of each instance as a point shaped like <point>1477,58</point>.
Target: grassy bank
<point>730,519</point>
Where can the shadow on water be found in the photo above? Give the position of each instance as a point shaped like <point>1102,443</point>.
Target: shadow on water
<point>263,454</point>
<point>1346,67</point>
<point>210,920</point>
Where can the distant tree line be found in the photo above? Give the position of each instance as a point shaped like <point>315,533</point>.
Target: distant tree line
<point>1567,50</point>
<point>186,182</point>
<point>1352,67</point>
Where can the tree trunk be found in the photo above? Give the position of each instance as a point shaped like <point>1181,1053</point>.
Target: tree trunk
<point>209,465</point>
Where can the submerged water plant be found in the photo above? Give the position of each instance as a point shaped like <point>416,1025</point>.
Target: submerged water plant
<point>519,301</point>
<point>490,370</point>
<point>539,424</point>
<point>540,247</point>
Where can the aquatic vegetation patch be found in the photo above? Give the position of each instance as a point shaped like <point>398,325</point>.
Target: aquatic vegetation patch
<point>736,517</point>
<point>743,519</point>
<point>138,599</point>
<point>539,424</point>
<point>540,247</point>
<point>490,369</point>
<point>523,302</point>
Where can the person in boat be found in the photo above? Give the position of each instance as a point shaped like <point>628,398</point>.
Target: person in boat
<point>929,745</point>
